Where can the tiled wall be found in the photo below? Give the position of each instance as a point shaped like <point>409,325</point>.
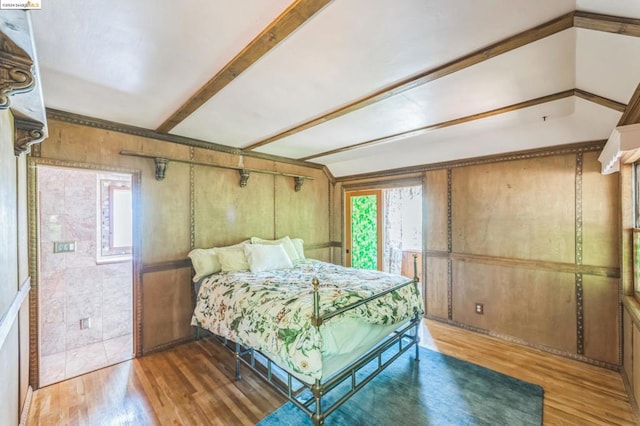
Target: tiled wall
<point>71,285</point>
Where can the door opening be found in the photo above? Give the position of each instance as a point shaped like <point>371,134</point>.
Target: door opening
<point>85,271</point>
<point>384,229</point>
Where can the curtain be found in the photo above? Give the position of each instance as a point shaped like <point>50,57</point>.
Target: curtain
<point>402,225</point>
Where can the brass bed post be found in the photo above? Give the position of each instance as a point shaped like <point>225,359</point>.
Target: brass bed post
<point>316,320</point>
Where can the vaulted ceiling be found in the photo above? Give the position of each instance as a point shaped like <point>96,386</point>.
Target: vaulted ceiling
<point>357,85</point>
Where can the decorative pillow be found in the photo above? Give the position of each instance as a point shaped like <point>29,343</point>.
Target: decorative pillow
<point>266,257</point>
<point>288,246</point>
<point>232,258</point>
<point>205,262</point>
<point>298,243</point>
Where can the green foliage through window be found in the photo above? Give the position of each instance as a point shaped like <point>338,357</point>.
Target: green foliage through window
<point>364,232</point>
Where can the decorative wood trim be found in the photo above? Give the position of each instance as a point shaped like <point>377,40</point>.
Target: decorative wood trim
<point>631,114</point>
<point>519,341</point>
<point>32,203</point>
<point>529,36</point>
<point>600,100</point>
<point>633,308</point>
<point>590,146</point>
<point>82,120</point>
<point>290,20</point>
<point>448,123</point>
<point>629,389</point>
<point>578,247</point>
<point>165,266</point>
<point>385,184</point>
<point>607,23</point>
<point>449,244</point>
<point>317,246</point>
<point>34,318</point>
<point>27,131</point>
<point>16,75</point>
<point>570,268</point>
<point>192,201</point>
<point>9,317</point>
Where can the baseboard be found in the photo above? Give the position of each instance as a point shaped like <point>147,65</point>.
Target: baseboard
<point>24,414</point>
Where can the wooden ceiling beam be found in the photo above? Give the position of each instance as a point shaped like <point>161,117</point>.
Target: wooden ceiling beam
<point>578,19</point>
<point>526,104</point>
<point>448,123</point>
<point>291,19</point>
<point>607,23</point>
<point>529,36</point>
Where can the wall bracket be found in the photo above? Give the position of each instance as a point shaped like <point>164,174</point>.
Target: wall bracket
<point>161,164</point>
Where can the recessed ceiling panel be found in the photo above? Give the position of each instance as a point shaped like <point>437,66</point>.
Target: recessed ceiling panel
<point>538,69</point>
<point>515,131</point>
<point>607,64</point>
<point>136,62</point>
<point>351,49</point>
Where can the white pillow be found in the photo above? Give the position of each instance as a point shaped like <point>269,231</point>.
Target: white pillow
<point>298,243</point>
<point>205,262</point>
<point>288,246</point>
<point>232,258</point>
<point>266,257</point>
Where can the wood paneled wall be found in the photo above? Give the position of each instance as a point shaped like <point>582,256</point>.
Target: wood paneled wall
<point>535,239</point>
<point>536,242</point>
<point>195,206</point>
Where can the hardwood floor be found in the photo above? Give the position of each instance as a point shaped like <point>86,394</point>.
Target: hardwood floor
<point>193,384</point>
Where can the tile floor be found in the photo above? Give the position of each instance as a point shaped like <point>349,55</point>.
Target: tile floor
<point>74,362</point>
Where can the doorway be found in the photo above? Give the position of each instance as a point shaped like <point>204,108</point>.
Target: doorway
<point>84,270</point>
<point>384,229</point>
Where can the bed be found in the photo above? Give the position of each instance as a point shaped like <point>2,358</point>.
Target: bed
<point>308,326</point>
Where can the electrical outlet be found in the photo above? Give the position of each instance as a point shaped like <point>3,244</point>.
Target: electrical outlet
<point>85,323</point>
<point>479,308</point>
<point>64,246</point>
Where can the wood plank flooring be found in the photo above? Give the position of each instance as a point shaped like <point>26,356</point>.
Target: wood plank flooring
<point>193,384</point>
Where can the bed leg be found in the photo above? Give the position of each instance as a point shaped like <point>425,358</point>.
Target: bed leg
<point>417,342</point>
<point>237,355</point>
<point>318,416</point>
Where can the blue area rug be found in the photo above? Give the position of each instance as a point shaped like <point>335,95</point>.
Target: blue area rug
<point>438,390</point>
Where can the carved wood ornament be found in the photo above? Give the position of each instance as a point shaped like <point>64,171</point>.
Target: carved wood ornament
<point>16,76</point>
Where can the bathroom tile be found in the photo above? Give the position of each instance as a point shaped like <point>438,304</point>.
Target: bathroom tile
<point>52,368</point>
<point>51,228</point>
<point>52,310</point>
<point>52,338</point>
<point>84,256</point>
<point>83,280</point>
<point>50,261</point>
<point>85,359</point>
<point>119,349</point>
<point>51,285</point>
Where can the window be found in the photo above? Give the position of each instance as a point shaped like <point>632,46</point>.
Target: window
<point>115,218</point>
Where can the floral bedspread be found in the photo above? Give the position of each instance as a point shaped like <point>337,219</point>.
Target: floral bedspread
<point>271,311</point>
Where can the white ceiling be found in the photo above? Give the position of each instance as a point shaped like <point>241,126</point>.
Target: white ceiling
<point>137,63</point>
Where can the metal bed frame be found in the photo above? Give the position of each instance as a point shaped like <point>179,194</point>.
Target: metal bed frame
<point>309,397</point>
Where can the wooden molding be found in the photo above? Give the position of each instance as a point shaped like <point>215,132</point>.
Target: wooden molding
<point>631,114</point>
<point>15,70</point>
<point>529,36</point>
<point>572,268</point>
<point>448,123</point>
<point>600,100</point>
<point>607,23</point>
<point>166,266</point>
<point>508,156</point>
<point>28,131</point>
<point>24,412</point>
<point>83,120</point>
<point>288,21</point>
